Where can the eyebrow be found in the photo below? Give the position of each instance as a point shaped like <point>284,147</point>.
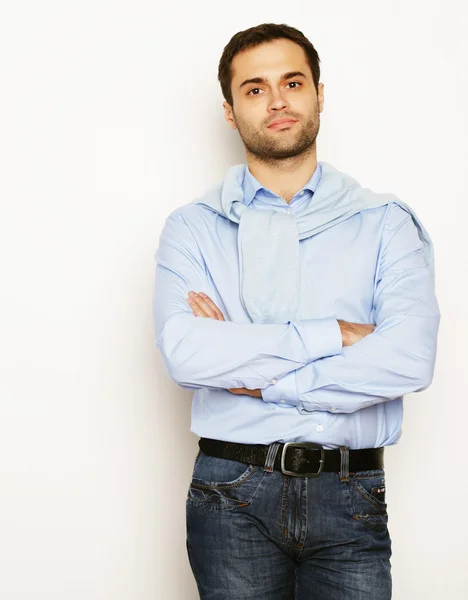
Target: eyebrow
<point>285,76</point>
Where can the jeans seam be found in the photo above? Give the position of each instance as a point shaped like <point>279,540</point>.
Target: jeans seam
<point>284,529</point>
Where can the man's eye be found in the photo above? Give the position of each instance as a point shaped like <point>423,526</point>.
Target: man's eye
<point>296,83</point>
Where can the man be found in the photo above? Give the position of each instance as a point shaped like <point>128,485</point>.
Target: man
<point>300,308</point>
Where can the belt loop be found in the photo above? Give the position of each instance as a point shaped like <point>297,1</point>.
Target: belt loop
<point>344,469</point>
<point>270,457</point>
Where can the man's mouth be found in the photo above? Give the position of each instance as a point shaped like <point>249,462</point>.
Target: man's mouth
<point>285,122</point>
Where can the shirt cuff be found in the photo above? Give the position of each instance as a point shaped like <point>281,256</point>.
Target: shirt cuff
<point>283,392</point>
<point>321,337</point>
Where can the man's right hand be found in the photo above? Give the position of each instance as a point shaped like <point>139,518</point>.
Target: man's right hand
<point>353,332</point>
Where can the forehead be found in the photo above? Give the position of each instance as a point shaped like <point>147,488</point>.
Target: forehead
<point>269,60</point>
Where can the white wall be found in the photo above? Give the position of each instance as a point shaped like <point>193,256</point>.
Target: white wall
<point>110,117</point>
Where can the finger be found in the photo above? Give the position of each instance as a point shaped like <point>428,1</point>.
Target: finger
<point>198,312</point>
<point>210,302</point>
<point>192,299</point>
<point>196,309</point>
<point>207,309</point>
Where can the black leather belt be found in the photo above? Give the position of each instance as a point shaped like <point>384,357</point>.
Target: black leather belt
<point>302,459</point>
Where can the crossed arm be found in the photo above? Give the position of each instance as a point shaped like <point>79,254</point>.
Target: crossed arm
<point>308,363</point>
<point>203,306</point>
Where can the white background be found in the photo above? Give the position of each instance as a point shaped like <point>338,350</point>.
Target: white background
<point>111,117</point>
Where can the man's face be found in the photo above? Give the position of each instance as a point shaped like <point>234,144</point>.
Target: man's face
<point>256,105</point>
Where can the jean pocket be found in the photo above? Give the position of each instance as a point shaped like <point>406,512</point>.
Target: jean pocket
<point>367,491</point>
<point>222,483</point>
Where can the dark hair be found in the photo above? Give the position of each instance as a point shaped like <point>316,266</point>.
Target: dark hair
<point>249,38</point>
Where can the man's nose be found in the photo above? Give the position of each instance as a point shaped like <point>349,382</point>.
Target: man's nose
<point>278,102</point>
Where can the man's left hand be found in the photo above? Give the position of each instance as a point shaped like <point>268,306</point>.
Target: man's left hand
<point>245,391</point>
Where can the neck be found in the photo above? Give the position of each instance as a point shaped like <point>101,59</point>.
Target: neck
<point>285,177</point>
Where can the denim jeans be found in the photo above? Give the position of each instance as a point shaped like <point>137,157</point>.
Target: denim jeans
<point>253,532</point>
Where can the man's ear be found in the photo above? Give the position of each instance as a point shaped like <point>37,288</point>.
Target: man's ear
<point>229,115</point>
<point>320,96</point>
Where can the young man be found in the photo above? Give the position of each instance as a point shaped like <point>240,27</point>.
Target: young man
<point>300,308</point>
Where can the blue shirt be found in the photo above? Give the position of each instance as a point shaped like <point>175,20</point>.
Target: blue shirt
<point>369,268</point>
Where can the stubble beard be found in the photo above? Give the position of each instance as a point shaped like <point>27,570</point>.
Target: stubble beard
<point>282,145</point>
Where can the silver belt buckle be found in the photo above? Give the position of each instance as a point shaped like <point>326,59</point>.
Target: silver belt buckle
<point>302,445</point>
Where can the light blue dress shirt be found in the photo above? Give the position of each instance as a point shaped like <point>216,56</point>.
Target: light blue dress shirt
<point>370,268</point>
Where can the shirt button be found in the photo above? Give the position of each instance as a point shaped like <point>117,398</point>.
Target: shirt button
<point>319,427</point>
<point>333,409</point>
<point>282,400</point>
<point>289,211</point>
<point>274,381</point>
<point>301,193</point>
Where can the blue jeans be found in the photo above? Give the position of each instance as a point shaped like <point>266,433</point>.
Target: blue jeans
<point>255,533</point>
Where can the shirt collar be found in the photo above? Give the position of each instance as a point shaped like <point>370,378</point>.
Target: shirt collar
<point>251,186</point>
